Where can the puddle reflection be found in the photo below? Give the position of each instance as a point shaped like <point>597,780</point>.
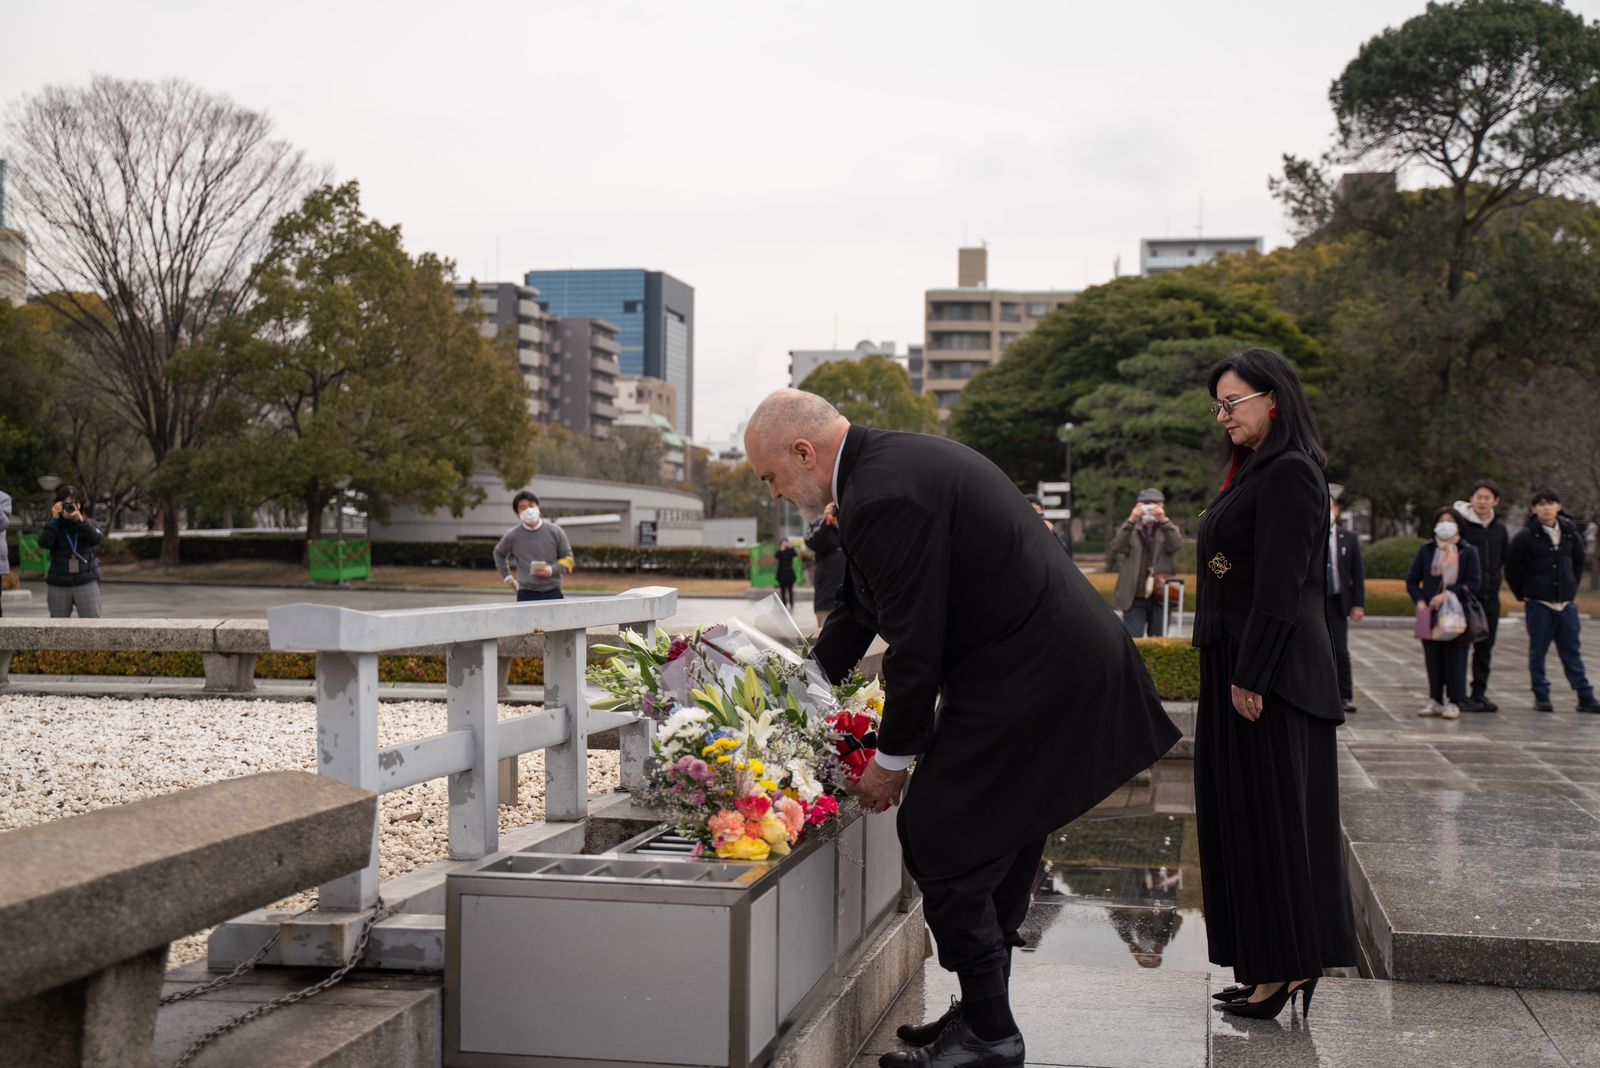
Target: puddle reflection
<point>1121,891</point>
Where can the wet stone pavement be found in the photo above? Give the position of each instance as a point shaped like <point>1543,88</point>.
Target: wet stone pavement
<point>1478,849</point>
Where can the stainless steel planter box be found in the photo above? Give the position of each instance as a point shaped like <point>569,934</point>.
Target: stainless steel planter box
<point>636,958</point>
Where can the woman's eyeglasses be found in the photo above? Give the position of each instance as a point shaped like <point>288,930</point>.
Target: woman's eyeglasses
<point>1230,405</point>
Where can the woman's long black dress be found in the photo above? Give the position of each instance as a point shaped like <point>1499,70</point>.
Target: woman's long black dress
<point>1272,860</point>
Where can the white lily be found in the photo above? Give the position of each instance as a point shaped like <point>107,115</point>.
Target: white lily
<point>757,730</point>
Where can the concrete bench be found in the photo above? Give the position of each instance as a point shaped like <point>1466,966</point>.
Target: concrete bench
<point>89,904</point>
<point>228,647</point>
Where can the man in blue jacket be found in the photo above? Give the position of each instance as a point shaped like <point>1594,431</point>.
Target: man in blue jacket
<point>1543,566</point>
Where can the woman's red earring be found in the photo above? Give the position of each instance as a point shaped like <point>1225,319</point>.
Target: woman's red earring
<point>1272,413</point>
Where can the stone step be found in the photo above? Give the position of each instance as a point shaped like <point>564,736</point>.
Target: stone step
<point>1475,887</point>
<point>366,1019</point>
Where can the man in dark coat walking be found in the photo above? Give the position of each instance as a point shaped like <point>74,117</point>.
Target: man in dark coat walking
<point>1346,583</point>
<point>1010,683</point>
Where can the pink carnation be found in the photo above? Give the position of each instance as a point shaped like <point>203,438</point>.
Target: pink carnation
<point>793,814</point>
<point>823,809</point>
<point>726,828</point>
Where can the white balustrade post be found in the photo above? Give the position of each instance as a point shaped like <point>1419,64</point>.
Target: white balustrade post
<point>347,750</point>
<point>633,739</point>
<point>566,766</point>
<point>472,687</point>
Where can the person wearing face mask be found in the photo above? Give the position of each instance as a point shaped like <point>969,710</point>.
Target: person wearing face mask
<point>1483,530</point>
<point>1543,566</point>
<point>1444,564</point>
<point>1145,548</point>
<point>537,549</point>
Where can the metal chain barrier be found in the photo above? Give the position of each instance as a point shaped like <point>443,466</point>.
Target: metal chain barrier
<point>378,912</point>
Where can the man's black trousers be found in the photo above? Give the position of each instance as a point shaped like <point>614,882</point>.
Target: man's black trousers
<point>1339,628</point>
<point>1483,651</point>
<point>975,917</point>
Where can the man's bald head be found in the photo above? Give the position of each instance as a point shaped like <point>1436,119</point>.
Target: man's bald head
<point>792,440</point>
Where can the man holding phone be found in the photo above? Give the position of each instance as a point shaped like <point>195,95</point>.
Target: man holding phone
<point>73,581</point>
<point>537,549</point>
<point>1145,550</point>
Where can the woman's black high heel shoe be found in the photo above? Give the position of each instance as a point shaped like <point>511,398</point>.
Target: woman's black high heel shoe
<point>1237,992</point>
<point>1269,1008</point>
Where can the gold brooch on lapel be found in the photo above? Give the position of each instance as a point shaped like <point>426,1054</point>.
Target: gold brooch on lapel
<point>1219,566</point>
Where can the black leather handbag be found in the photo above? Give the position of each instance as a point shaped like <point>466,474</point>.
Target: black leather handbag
<point>1477,620</point>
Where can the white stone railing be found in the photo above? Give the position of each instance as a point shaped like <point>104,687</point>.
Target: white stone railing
<point>348,644</point>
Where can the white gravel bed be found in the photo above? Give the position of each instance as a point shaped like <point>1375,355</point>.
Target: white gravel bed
<point>60,756</point>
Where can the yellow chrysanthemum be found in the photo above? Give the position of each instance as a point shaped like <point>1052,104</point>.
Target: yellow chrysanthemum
<point>756,767</point>
<point>724,760</point>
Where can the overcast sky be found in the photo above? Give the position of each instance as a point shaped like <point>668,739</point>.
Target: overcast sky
<point>809,168</point>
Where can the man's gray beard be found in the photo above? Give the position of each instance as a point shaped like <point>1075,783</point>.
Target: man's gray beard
<point>810,511</point>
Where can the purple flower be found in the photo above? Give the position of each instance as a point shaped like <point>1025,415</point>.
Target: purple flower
<point>698,798</point>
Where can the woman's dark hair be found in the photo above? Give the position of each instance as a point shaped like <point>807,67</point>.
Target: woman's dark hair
<point>1295,427</point>
<point>1449,513</point>
<point>516,502</point>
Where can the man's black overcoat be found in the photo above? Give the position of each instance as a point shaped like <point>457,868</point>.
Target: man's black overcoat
<point>1007,673</point>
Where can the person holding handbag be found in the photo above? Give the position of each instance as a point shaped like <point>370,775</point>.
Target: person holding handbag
<point>1146,550</point>
<point>1444,568</point>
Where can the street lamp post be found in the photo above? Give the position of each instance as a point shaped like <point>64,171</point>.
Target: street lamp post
<point>1065,434</point>
<point>341,483</point>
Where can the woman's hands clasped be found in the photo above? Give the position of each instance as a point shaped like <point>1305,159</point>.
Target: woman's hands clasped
<point>1247,704</point>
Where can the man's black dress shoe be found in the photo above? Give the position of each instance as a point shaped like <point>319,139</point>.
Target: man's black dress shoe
<point>922,1034</point>
<point>1480,699</point>
<point>1349,708</point>
<point>1473,704</point>
<point>1588,704</point>
<point>958,1047</point>
<point>1542,704</point>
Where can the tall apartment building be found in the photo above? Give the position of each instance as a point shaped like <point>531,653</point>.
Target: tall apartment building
<point>569,366</point>
<point>654,314</point>
<point>804,361</point>
<point>13,253</point>
<point>1159,255</point>
<point>587,363</point>
<point>508,306</point>
<point>969,327</point>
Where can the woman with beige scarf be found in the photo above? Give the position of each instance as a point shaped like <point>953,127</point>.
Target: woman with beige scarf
<point>1445,564</point>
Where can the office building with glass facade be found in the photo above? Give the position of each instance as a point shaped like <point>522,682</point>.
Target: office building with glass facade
<point>654,315</point>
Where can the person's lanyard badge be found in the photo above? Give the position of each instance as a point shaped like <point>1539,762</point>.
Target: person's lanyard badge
<point>76,560</point>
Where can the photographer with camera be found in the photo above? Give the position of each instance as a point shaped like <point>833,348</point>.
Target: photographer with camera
<point>1145,550</point>
<point>73,580</point>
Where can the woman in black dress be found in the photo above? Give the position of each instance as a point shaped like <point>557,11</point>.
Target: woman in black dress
<point>827,566</point>
<point>786,554</point>
<point>1277,901</point>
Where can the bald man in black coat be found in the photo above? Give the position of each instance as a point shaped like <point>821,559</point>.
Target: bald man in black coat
<point>1009,682</point>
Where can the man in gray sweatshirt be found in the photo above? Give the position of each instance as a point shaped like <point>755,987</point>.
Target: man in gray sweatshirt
<point>539,551</point>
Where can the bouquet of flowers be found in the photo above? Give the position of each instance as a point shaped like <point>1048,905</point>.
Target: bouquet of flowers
<point>754,748</point>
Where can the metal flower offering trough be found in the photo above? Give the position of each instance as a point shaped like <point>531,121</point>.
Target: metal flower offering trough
<point>645,957</point>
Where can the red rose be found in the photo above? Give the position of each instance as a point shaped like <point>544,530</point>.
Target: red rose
<point>754,808</point>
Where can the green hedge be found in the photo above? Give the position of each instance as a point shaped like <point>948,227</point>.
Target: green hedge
<point>1174,666</point>
<point>1173,663</point>
<point>524,672</point>
<point>685,560</point>
<point>1389,558</point>
<point>290,548</point>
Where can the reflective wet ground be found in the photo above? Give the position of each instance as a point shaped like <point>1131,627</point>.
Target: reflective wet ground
<point>1116,976</point>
